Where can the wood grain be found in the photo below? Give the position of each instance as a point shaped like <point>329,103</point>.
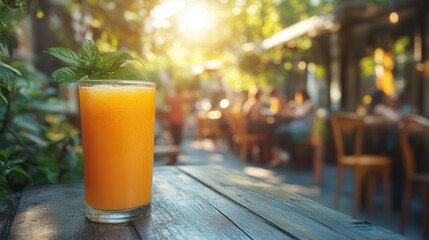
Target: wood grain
<point>295,215</point>
<point>183,208</point>
<point>58,212</point>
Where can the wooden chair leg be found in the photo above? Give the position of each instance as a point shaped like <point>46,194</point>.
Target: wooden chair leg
<point>340,180</point>
<point>358,190</point>
<point>244,150</point>
<point>255,151</point>
<point>173,160</point>
<point>406,206</point>
<point>370,190</point>
<point>238,142</point>
<point>425,224</point>
<point>386,186</point>
<point>233,144</point>
<point>266,152</point>
<point>318,164</point>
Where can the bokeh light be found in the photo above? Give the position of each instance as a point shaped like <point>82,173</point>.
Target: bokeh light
<point>394,17</point>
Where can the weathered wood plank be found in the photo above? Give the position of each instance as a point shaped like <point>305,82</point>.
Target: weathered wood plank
<point>296,215</point>
<point>183,208</point>
<point>58,212</point>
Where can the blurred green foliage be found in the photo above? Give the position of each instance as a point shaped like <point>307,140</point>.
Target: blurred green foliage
<point>37,145</point>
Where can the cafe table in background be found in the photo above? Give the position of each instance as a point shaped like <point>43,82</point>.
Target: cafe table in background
<point>189,202</point>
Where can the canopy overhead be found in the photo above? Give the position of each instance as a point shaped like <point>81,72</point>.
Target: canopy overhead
<point>313,26</point>
<point>310,26</point>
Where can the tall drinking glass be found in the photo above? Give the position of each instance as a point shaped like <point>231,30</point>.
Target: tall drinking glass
<point>117,118</point>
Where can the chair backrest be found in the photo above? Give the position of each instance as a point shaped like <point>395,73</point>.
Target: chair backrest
<point>347,125</point>
<point>411,128</point>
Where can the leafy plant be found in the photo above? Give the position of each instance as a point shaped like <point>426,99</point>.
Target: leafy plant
<point>10,14</point>
<point>92,63</point>
<point>37,144</point>
<point>46,145</point>
<point>9,167</point>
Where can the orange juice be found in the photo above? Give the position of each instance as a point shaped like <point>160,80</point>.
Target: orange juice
<point>118,140</point>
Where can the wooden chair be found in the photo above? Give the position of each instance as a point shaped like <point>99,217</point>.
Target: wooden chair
<point>346,125</point>
<point>412,129</point>
<point>246,141</point>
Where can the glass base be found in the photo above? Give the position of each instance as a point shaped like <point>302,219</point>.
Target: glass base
<point>117,216</point>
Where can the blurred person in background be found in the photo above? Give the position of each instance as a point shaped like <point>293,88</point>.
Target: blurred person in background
<point>299,118</point>
<point>176,114</point>
<point>255,118</point>
<point>278,101</point>
<point>253,109</point>
<point>385,106</point>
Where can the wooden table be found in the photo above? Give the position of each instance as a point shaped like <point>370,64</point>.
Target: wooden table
<point>190,202</point>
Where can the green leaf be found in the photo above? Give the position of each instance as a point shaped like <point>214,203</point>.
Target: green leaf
<point>6,171</point>
<point>68,75</point>
<point>35,139</point>
<point>10,68</point>
<point>8,80</point>
<point>16,162</point>
<point>5,153</point>
<point>2,22</point>
<point>48,163</point>
<point>10,47</point>
<point>2,97</point>
<point>8,76</point>
<point>113,60</point>
<point>64,54</point>
<point>89,51</point>
<point>23,173</point>
<point>4,200</point>
<point>5,93</point>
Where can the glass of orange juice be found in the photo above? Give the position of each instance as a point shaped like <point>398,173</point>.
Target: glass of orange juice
<point>118,119</point>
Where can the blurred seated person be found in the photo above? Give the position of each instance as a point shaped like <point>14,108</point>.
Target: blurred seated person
<point>278,101</point>
<point>300,117</point>
<point>385,106</point>
<point>253,109</point>
<point>390,109</point>
<point>176,114</point>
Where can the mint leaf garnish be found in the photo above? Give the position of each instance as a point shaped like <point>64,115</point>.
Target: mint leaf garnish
<point>66,55</point>
<point>68,74</point>
<point>89,51</point>
<point>92,64</point>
